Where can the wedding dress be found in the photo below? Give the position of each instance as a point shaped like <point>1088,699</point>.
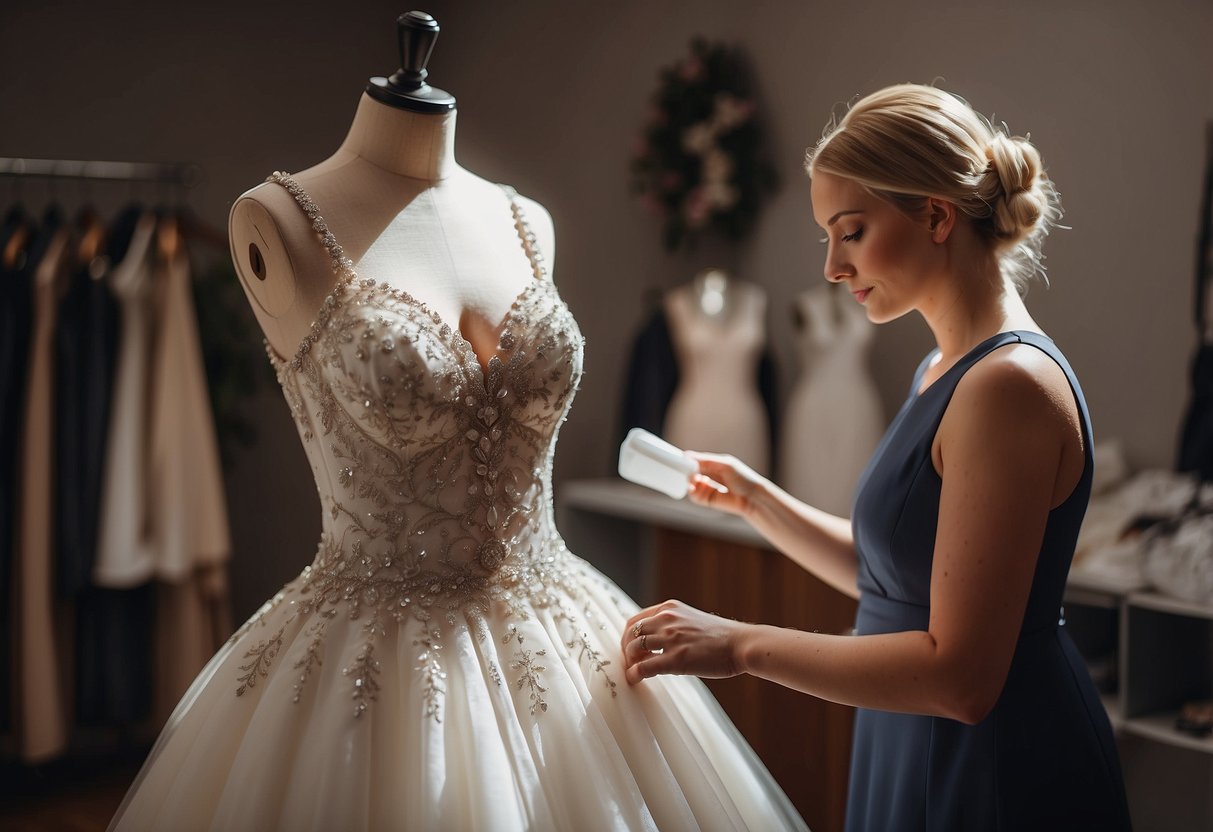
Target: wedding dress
<point>444,662</point>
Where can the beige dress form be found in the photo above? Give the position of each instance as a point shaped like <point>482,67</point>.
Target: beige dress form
<point>717,407</point>
<point>833,420</point>
<point>42,728</point>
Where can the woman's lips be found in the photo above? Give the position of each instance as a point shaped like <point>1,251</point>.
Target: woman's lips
<point>861,294</point>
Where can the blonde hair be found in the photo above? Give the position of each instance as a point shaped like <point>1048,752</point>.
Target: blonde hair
<point>907,142</point>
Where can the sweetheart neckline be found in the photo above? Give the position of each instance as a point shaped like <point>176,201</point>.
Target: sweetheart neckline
<point>463,347</point>
<point>344,267</point>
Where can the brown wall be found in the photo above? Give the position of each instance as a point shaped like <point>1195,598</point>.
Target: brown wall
<point>551,96</point>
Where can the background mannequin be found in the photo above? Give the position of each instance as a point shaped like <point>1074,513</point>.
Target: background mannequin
<point>405,212</point>
<point>717,326</point>
<point>833,421</point>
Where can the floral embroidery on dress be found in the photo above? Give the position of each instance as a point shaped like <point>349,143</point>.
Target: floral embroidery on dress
<point>434,474</point>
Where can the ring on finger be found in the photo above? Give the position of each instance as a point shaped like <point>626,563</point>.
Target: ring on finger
<point>644,642</point>
<point>636,630</point>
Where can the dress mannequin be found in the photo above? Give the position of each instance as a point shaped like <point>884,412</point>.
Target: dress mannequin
<point>718,331</point>
<point>444,661</point>
<point>833,420</point>
<point>405,212</point>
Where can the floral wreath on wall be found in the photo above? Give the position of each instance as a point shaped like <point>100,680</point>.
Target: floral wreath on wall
<point>699,164</point>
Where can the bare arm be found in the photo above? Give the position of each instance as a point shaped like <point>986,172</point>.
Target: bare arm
<point>820,543</point>
<point>1002,444</point>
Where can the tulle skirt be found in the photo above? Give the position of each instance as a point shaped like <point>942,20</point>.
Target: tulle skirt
<point>497,721</point>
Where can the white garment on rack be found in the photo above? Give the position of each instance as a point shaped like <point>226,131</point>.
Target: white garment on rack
<point>187,523</point>
<point>124,558</point>
<point>834,420</point>
<point>717,407</point>
<point>187,511</point>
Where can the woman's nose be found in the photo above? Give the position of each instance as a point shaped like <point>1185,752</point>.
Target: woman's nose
<point>836,269</point>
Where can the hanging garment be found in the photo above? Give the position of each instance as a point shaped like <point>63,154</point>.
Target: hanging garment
<point>42,711</point>
<point>444,662</point>
<point>1045,757</point>
<point>1196,434</point>
<point>717,407</point>
<point>114,680</point>
<point>124,558</point>
<point>187,526</point>
<point>86,344</point>
<point>16,329</point>
<point>833,419</point>
<point>186,509</point>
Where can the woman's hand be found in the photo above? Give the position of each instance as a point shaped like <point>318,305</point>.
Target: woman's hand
<point>725,483</point>
<point>690,642</point>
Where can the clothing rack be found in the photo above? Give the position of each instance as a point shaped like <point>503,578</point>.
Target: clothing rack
<point>185,174</point>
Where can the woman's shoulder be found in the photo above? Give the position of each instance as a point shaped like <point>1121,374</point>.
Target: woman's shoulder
<point>1017,386</point>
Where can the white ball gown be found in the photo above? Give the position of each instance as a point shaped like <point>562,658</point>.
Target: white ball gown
<point>444,663</point>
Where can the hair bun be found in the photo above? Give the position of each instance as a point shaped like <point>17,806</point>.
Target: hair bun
<point>1012,186</point>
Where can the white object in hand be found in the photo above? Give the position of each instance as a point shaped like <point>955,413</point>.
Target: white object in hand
<point>648,460</point>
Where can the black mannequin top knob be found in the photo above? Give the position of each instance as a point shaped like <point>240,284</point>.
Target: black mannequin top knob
<point>416,32</point>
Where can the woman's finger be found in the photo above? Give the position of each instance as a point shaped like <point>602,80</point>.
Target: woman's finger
<point>655,664</point>
<point>639,648</point>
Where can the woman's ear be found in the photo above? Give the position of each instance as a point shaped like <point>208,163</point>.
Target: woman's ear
<point>941,218</point>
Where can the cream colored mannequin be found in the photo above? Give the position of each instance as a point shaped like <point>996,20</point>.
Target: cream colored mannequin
<point>405,213</point>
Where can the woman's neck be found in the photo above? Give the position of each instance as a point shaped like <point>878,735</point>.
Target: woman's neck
<point>416,145</point>
<point>975,303</point>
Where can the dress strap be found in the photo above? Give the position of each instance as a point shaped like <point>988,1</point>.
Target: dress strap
<point>341,265</point>
<point>530,244</point>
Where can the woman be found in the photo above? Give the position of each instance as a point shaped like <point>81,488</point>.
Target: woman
<point>975,711</point>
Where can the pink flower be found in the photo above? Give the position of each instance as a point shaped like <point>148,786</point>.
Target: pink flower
<point>691,69</point>
<point>654,205</point>
<point>670,181</point>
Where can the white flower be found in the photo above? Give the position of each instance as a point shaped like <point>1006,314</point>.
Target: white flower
<point>699,138</point>
<point>730,112</point>
<point>720,194</point>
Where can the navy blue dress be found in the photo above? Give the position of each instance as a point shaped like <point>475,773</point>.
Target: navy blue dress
<point>1044,758</point>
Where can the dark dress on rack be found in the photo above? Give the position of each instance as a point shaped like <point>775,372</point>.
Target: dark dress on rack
<point>1045,757</point>
<point>113,679</point>
<point>86,344</point>
<point>16,330</point>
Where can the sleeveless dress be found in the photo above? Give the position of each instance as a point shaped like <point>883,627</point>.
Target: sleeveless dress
<point>1045,757</point>
<point>444,662</point>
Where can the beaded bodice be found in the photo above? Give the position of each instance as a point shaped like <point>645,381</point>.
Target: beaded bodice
<point>434,471</point>
<point>434,475</point>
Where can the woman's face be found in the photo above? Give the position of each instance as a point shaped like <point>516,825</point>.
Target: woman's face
<point>885,258</point>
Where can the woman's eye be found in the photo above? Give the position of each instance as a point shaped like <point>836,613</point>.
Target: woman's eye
<point>850,238</point>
